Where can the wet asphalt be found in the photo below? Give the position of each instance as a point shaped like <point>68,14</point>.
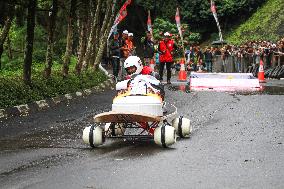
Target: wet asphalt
<point>237,142</point>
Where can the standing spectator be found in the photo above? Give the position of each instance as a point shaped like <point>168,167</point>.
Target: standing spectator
<point>226,61</point>
<point>256,56</point>
<point>208,59</point>
<point>123,51</point>
<point>189,54</point>
<point>130,46</point>
<point>166,49</point>
<point>267,56</point>
<point>238,58</point>
<point>115,54</point>
<point>199,58</point>
<point>148,47</point>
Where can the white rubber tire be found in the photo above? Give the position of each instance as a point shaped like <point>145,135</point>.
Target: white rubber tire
<point>182,126</point>
<point>165,136</point>
<point>94,138</point>
<point>118,129</point>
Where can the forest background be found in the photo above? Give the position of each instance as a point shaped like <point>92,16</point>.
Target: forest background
<point>53,47</point>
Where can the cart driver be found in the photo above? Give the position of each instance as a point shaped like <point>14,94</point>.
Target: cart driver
<point>134,67</point>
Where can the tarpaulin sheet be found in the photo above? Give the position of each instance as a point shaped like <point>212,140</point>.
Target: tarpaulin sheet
<point>223,81</point>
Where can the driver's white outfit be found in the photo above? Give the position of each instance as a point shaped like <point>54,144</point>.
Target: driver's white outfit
<point>139,83</point>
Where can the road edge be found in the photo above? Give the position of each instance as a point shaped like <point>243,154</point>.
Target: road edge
<point>26,109</point>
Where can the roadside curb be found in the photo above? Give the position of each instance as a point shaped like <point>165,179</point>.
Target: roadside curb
<point>26,109</point>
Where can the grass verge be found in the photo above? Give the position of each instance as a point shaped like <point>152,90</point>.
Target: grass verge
<point>14,92</point>
<point>266,24</point>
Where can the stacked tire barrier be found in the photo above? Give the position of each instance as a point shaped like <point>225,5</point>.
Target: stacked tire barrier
<point>275,73</point>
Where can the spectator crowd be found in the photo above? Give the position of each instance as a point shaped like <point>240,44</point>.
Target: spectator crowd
<point>243,58</point>
<point>215,58</point>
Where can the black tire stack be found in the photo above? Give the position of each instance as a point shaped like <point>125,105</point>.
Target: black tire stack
<point>275,73</point>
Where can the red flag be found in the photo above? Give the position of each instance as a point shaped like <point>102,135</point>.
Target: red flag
<point>177,17</point>
<point>122,12</point>
<point>213,7</point>
<point>120,16</point>
<point>149,22</point>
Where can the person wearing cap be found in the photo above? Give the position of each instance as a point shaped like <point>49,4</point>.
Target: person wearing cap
<point>166,49</point>
<point>123,51</point>
<point>115,54</point>
<point>148,47</point>
<point>208,56</point>
<point>130,45</point>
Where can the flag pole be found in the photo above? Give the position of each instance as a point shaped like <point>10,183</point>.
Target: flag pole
<point>214,12</point>
<point>149,24</point>
<point>177,18</point>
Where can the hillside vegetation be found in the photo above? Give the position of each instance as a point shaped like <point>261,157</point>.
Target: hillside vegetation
<point>266,24</point>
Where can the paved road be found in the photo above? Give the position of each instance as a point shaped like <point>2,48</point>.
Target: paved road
<point>237,142</point>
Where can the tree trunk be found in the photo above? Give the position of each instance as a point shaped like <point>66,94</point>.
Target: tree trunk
<point>92,35</point>
<point>100,32</point>
<point>10,55</point>
<point>104,34</point>
<point>83,36</point>
<point>70,32</point>
<point>49,51</point>
<point>29,42</point>
<point>4,35</point>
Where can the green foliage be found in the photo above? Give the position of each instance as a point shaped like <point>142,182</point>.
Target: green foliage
<point>17,36</point>
<point>266,24</point>
<point>197,13</point>
<point>194,37</point>
<point>40,44</point>
<point>160,26</point>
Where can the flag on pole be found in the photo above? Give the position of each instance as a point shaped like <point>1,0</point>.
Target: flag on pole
<point>213,7</point>
<point>120,16</point>
<point>122,12</point>
<point>214,12</point>
<point>149,23</point>
<point>177,17</point>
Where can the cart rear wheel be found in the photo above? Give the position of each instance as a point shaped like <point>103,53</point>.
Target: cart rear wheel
<point>93,135</point>
<point>182,126</point>
<point>165,135</point>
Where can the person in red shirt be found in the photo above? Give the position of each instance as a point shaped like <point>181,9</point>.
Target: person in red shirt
<point>166,50</point>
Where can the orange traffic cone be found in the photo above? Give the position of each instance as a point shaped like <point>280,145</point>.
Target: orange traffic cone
<point>261,72</point>
<point>182,72</point>
<point>152,64</point>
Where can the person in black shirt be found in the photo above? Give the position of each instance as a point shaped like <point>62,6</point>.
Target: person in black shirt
<point>148,47</point>
<point>115,54</point>
<point>208,59</point>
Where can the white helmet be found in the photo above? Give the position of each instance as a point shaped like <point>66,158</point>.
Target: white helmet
<point>133,61</point>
